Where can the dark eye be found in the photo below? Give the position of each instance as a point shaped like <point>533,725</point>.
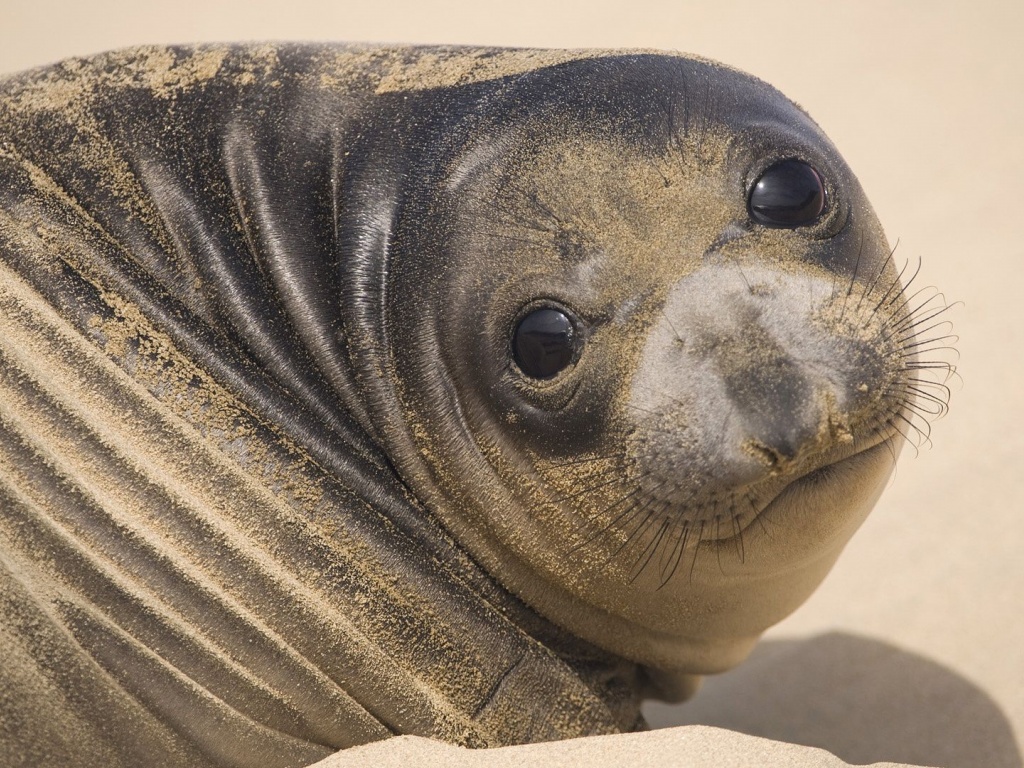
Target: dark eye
<point>788,194</point>
<point>544,342</point>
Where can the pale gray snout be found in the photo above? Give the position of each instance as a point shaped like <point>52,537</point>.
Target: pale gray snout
<point>750,370</point>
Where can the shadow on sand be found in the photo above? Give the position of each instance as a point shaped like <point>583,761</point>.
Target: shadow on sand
<point>861,699</point>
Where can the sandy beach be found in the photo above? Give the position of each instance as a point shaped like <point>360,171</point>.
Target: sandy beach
<point>912,651</point>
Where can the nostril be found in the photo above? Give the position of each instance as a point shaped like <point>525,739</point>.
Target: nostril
<point>763,454</point>
<point>779,407</point>
<point>775,445</point>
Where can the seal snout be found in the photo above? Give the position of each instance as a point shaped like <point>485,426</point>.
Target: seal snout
<point>773,396</point>
<point>743,385</point>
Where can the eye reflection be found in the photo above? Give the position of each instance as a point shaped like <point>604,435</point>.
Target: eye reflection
<point>544,343</point>
<point>788,194</point>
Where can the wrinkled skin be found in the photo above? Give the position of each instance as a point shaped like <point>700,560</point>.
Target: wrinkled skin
<point>273,480</point>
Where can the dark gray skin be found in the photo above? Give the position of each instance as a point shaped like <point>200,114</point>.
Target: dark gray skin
<point>274,481</point>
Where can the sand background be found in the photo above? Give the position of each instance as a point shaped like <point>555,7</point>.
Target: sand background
<point>913,649</point>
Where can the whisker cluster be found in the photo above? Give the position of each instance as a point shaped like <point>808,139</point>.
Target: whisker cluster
<point>913,323</point>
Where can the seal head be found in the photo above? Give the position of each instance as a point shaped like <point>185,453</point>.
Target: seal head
<point>645,353</point>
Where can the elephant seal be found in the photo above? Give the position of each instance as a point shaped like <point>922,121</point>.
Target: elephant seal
<point>470,393</point>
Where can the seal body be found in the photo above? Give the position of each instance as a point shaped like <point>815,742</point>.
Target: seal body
<point>355,391</point>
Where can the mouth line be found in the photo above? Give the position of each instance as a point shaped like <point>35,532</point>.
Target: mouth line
<point>807,479</point>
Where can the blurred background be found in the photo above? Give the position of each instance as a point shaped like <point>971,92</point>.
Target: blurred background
<point>913,649</point>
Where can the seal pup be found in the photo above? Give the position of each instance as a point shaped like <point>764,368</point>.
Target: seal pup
<point>469,393</point>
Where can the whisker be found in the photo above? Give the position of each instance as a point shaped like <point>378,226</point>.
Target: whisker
<point>878,276</point>
<point>696,549</point>
<point>649,550</point>
<point>677,555</point>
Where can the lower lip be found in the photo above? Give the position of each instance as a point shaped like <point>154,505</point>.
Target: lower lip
<point>813,477</point>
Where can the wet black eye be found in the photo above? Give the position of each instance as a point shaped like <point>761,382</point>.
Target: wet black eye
<point>544,343</point>
<point>788,194</point>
